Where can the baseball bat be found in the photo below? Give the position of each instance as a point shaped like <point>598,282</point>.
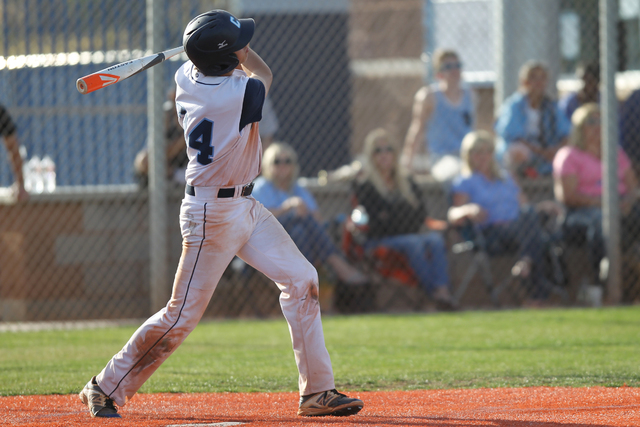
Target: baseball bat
<point>124,70</point>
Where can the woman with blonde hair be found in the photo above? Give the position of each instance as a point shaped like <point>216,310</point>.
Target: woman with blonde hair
<point>397,216</point>
<point>531,125</point>
<point>296,209</point>
<point>489,198</point>
<point>577,176</point>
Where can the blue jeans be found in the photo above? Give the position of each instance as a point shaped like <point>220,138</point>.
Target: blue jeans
<point>426,254</point>
<point>310,237</point>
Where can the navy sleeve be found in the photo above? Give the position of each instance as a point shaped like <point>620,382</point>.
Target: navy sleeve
<point>254,95</point>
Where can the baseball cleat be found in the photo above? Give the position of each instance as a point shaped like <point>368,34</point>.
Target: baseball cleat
<point>100,405</point>
<point>329,402</point>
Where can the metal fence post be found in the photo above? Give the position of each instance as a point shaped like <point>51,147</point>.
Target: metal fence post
<point>159,292</point>
<point>514,20</point>
<point>610,199</point>
<point>428,23</point>
<point>505,70</point>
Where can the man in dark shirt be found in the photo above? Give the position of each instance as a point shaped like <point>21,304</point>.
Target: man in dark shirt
<point>9,134</point>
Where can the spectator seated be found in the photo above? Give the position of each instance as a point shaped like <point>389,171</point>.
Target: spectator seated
<point>390,269</point>
<point>490,209</point>
<point>397,215</point>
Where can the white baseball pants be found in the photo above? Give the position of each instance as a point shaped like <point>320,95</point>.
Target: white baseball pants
<point>215,230</point>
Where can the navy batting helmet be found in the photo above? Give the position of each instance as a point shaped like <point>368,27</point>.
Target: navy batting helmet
<point>211,39</point>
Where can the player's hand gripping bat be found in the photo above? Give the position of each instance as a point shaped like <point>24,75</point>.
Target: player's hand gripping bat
<point>124,70</point>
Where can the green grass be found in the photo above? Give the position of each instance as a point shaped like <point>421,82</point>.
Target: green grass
<point>577,347</point>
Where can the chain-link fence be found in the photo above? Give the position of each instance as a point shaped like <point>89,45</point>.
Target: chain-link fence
<point>425,71</point>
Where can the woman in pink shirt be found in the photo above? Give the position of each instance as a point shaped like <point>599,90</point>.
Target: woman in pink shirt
<point>577,176</point>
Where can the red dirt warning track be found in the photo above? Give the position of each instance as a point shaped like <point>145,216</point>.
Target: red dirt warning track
<point>519,407</point>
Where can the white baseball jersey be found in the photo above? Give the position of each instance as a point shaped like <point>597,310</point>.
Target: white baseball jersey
<point>222,152</point>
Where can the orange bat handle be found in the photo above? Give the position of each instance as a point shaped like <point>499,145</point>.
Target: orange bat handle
<point>94,82</point>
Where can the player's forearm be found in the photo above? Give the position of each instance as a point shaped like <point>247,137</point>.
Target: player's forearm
<point>255,66</point>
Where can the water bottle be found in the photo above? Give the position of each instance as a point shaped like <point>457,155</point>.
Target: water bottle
<point>48,174</point>
<point>359,216</point>
<point>35,168</point>
<point>360,221</point>
<point>26,175</point>
<point>30,175</point>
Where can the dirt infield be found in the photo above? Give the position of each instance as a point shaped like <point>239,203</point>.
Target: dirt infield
<point>535,406</point>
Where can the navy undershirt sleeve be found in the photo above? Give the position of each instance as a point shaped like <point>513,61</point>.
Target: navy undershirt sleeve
<point>254,95</point>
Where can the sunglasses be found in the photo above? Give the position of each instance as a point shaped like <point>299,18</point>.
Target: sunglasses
<point>282,161</point>
<point>451,66</point>
<point>383,150</point>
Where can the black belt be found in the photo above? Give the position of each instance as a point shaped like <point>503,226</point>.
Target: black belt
<point>224,193</point>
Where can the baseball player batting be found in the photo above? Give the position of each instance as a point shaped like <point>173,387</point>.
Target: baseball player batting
<point>219,99</point>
